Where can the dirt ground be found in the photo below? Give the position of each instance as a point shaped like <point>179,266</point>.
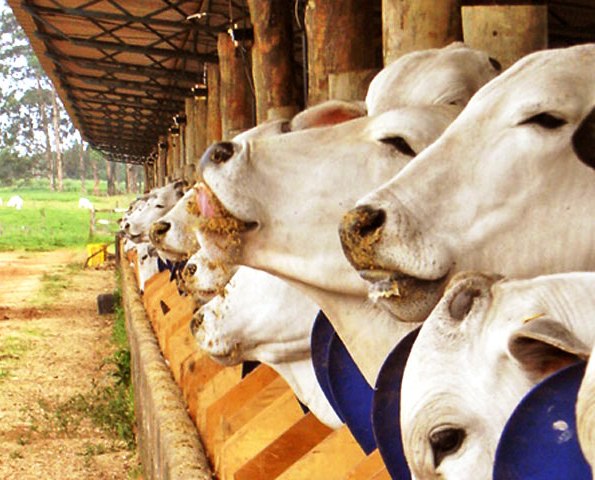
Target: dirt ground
<point>53,344</point>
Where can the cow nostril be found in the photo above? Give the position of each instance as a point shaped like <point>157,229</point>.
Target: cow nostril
<point>367,220</point>
<point>221,152</point>
<point>191,269</point>
<point>159,229</point>
<point>127,226</point>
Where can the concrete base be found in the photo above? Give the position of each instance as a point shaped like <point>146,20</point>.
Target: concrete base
<point>168,442</point>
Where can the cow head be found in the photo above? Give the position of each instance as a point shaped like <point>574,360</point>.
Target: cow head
<point>174,234</point>
<point>483,347</point>
<point>506,188</point>
<point>158,202</point>
<point>257,317</point>
<point>273,203</point>
<point>441,76</point>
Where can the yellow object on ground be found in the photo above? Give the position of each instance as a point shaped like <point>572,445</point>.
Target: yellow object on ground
<point>96,254</point>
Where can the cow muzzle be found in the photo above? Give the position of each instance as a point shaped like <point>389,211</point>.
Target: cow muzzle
<point>158,231</point>
<point>359,231</point>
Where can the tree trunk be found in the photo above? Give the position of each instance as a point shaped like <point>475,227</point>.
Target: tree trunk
<point>129,180</point>
<point>110,170</point>
<point>46,132</point>
<point>56,124</point>
<point>95,178</point>
<point>82,167</point>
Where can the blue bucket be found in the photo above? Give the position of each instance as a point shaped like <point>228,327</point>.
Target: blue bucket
<point>539,440</point>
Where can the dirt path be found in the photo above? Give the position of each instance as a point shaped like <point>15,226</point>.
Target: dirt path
<point>52,350</point>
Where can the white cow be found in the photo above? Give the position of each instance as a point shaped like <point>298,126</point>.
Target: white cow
<point>444,76</point>
<point>85,203</point>
<point>154,205</point>
<point>261,318</point>
<point>147,260</point>
<point>15,201</point>
<point>174,234</point>
<point>293,188</point>
<point>507,188</point>
<point>286,193</point>
<point>479,352</point>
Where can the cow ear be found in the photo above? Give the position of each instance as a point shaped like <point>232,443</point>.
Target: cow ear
<point>583,140</point>
<point>328,113</point>
<point>543,346</point>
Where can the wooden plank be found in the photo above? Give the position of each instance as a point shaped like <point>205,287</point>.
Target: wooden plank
<point>178,348</point>
<point>221,382</point>
<point>368,467</point>
<point>168,301</point>
<point>331,459</point>
<point>291,445</point>
<point>179,315</point>
<point>216,411</point>
<point>240,416</point>
<point>381,475</point>
<point>258,433</point>
<point>197,371</point>
<point>155,283</point>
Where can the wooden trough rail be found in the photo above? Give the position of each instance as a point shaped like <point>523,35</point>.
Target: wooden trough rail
<point>252,428</point>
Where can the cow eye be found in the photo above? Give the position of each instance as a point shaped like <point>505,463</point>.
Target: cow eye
<point>445,442</point>
<point>159,206</point>
<point>545,120</point>
<point>461,304</point>
<point>400,144</point>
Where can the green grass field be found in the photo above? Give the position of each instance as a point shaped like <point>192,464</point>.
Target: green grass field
<point>50,220</point>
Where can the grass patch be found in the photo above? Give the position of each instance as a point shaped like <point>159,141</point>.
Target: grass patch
<point>50,220</point>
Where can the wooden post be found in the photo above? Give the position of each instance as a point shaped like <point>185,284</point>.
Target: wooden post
<point>340,39</point>
<point>506,32</point>
<point>213,104</point>
<point>162,148</point>
<point>235,102</point>
<point>191,131</point>
<point>350,85</point>
<point>149,175</point>
<point>409,25</point>
<point>173,157</point>
<point>196,133</point>
<point>273,67</point>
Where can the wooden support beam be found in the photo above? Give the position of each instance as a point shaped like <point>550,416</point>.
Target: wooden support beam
<point>340,39</point>
<point>213,104</point>
<point>409,25</point>
<point>162,160</point>
<point>273,66</point>
<point>506,32</point>
<point>235,101</point>
<point>196,131</point>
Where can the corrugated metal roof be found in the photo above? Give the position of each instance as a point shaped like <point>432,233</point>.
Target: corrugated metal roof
<point>122,68</point>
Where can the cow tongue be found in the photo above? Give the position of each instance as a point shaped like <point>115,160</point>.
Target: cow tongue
<point>208,204</point>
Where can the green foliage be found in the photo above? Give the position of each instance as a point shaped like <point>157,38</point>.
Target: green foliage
<point>50,220</point>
